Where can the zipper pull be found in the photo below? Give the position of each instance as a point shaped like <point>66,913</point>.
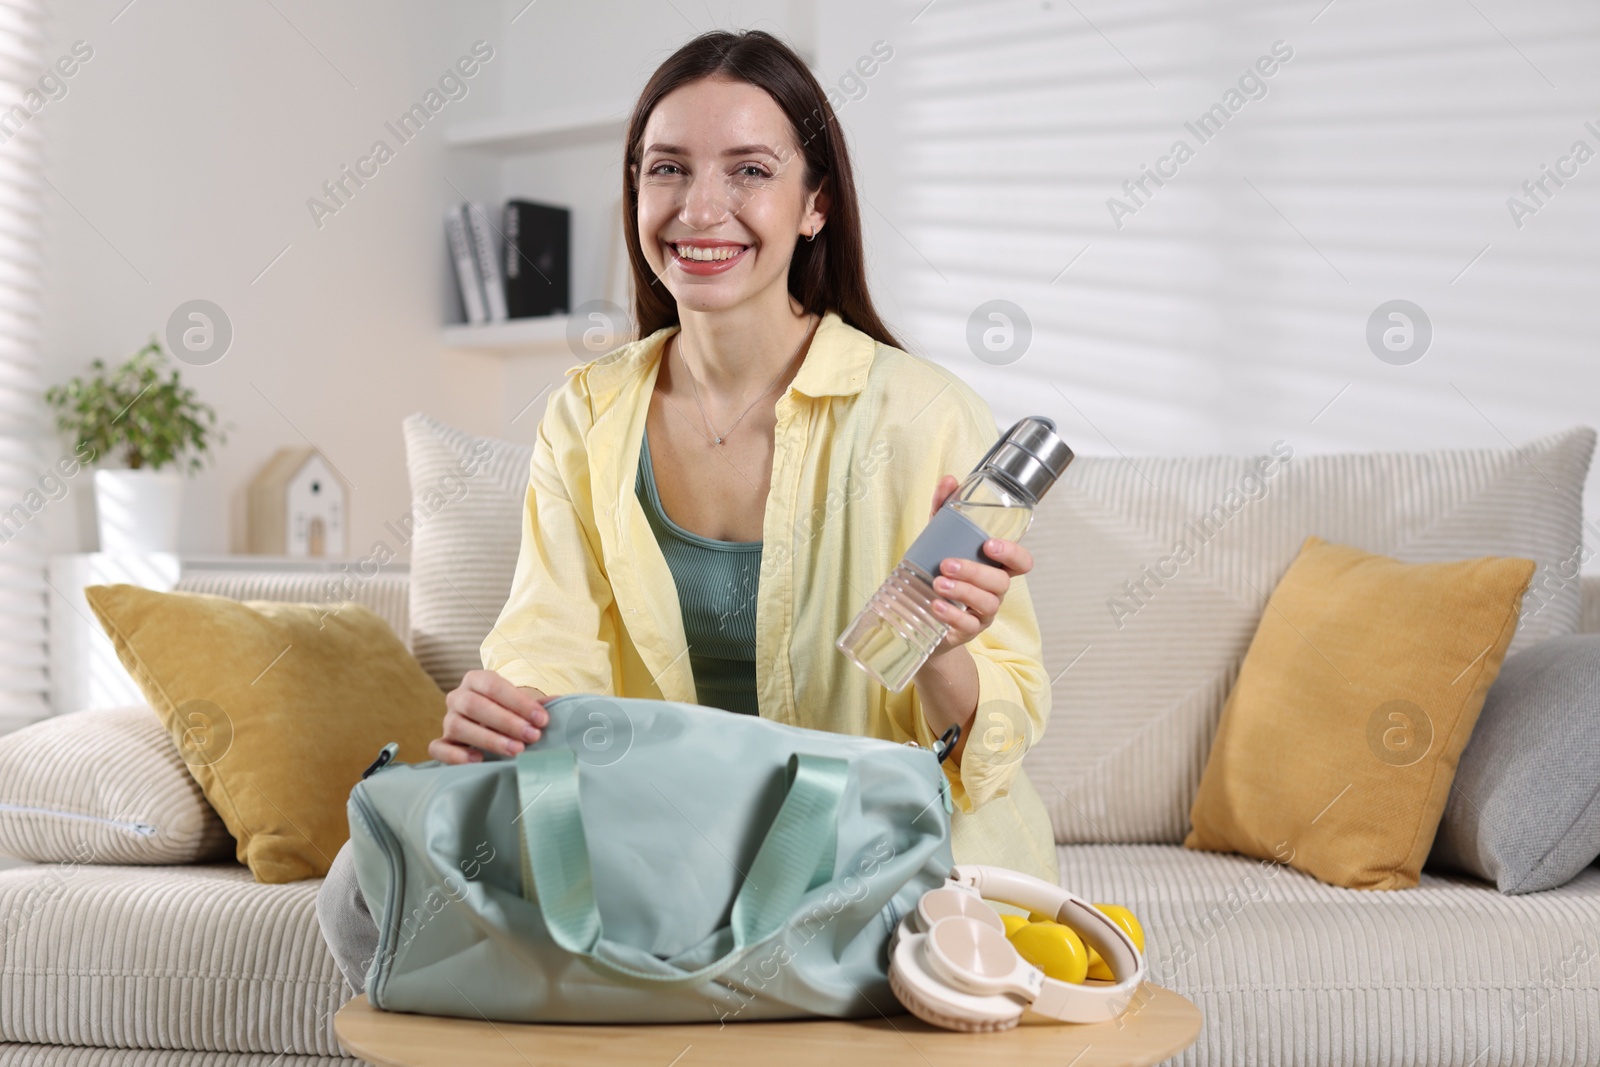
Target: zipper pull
<point>384,758</point>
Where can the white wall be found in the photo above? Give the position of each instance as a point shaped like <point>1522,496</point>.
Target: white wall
<point>1230,310</point>
<point>181,161</point>
<point>180,165</point>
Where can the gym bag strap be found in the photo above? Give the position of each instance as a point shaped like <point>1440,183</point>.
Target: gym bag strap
<point>796,855</point>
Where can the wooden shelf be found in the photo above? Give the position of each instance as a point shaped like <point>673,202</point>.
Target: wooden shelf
<point>508,135</point>
<point>546,332</point>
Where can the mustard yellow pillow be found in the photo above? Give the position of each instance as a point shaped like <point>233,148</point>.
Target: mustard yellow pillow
<point>1339,741</point>
<point>276,709</point>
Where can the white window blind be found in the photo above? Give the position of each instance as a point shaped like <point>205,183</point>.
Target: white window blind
<point>24,685</point>
<point>1230,306</point>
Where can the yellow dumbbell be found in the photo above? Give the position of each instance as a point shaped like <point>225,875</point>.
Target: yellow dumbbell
<point>1098,968</point>
<point>1013,923</point>
<point>1054,948</point>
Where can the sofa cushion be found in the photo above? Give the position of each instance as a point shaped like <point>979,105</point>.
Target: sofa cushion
<point>196,957</point>
<point>1524,811</point>
<point>1339,741</point>
<point>1294,973</point>
<point>16,1054</point>
<point>467,494</point>
<point>103,786</point>
<point>276,709</point>
<point>1150,576</point>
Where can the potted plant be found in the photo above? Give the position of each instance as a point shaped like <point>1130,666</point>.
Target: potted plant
<point>157,428</point>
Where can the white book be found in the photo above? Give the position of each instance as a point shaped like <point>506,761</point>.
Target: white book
<point>466,261</point>
<point>488,250</point>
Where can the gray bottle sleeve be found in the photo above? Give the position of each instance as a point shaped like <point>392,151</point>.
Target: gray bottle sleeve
<point>948,534</point>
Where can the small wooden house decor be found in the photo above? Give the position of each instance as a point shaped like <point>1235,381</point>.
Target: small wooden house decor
<point>297,507</point>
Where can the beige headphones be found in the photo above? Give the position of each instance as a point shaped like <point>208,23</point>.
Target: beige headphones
<point>951,965</point>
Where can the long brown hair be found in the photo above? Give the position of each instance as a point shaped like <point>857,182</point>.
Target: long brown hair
<point>826,274</point>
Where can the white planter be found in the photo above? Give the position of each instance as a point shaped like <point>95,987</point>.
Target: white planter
<point>138,509</point>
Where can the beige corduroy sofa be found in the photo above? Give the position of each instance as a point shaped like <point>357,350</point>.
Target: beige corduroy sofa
<point>198,964</point>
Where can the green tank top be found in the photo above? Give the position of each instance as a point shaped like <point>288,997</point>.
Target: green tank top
<point>717,583</point>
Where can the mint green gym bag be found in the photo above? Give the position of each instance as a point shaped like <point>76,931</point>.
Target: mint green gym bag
<point>648,861</point>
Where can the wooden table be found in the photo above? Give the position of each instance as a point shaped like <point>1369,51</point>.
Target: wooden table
<point>1158,1025</point>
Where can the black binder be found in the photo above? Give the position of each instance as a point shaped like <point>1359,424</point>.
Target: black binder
<point>537,264</point>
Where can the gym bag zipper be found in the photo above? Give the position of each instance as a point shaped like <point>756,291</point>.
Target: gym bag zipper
<point>391,856</point>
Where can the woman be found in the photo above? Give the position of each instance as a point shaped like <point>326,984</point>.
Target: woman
<point>710,505</point>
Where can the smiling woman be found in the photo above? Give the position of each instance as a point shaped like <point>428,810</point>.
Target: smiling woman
<point>761,386</point>
<point>709,505</point>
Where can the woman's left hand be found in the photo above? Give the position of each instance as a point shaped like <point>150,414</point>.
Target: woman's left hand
<point>976,588</point>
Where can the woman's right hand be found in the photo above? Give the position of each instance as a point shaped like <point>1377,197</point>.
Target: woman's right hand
<point>487,713</point>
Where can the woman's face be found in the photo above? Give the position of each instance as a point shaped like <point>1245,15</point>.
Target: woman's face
<point>722,196</point>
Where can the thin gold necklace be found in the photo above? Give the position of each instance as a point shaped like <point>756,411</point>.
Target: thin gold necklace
<point>716,437</point>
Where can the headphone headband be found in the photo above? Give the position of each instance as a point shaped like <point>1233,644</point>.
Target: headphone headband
<point>1025,891</point>
<point>931,997</point>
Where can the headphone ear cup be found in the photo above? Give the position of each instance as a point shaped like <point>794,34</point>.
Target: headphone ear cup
<point>934,1013</point>
<point>927,996</point>
<point>947,901</point>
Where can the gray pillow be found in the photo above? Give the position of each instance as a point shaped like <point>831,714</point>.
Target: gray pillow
<point>1524,810</point>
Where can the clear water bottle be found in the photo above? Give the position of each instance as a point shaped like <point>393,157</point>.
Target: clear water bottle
<point>897,631</point>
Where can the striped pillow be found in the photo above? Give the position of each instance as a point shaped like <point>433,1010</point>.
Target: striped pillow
<point>467,495</point>
<point>384,593</point>
<point>103,786</point>
<point>1150,577</point>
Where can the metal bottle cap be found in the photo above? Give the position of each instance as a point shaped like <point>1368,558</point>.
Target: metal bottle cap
<point>1030,454</point>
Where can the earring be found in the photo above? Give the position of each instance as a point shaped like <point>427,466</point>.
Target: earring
<point>813,235</point>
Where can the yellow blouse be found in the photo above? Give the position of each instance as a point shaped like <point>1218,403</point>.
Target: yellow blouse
<point>863,435</point>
